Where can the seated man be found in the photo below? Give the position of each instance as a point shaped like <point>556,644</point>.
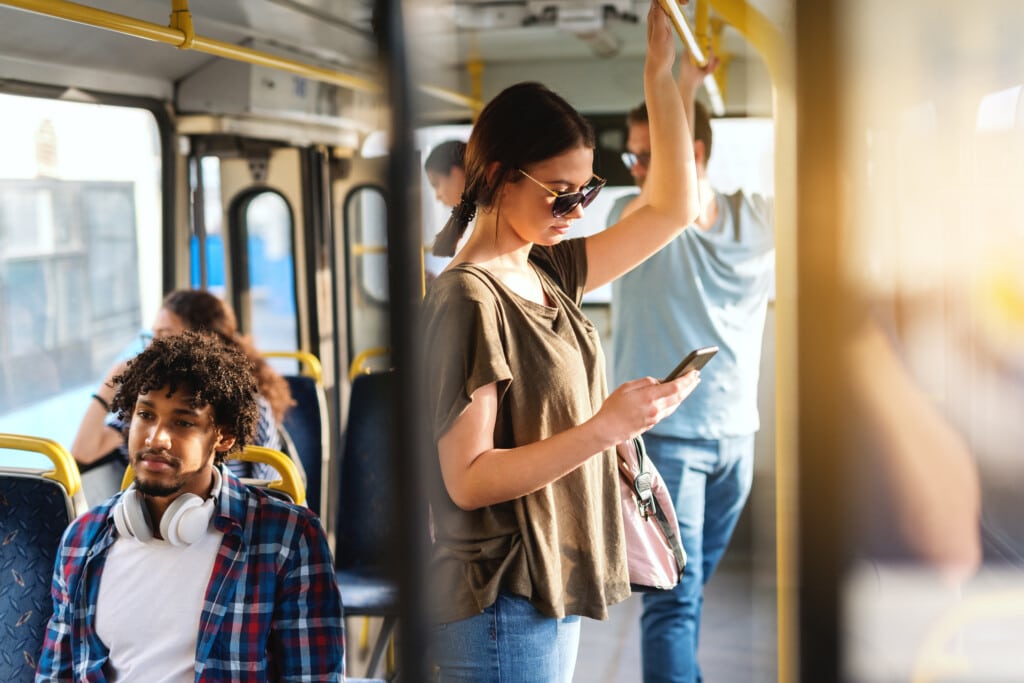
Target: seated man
<point>190,575</point>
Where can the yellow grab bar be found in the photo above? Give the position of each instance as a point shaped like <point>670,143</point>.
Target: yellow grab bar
<point>65,469</point>
<point>356,367</point>
<point>185,38</point>
<point>310,363</point>
<point>671,8</point>
<point>290,481</point>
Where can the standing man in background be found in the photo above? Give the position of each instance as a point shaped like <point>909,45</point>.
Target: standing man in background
<point>709,286</point>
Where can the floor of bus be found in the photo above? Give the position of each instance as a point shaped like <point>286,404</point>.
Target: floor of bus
<point>738,635</point>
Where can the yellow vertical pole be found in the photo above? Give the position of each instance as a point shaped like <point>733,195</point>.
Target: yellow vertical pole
<point>475,68</point>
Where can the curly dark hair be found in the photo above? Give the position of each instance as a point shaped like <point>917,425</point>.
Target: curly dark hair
<point>202,311</point>
<point>216,375</point>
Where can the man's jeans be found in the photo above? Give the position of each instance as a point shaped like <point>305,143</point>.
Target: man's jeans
<point>509,642</point>
<point>711,481</point>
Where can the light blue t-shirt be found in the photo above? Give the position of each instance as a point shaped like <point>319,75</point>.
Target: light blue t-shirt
<point>704,288</point>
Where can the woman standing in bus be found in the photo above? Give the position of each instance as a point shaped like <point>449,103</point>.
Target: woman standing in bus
<point>446,171</point>
<point>528,526</point>
<point>101,433</point>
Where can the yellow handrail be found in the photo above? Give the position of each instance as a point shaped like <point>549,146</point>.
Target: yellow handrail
<point>290,481</point>
<point>671,8</point>
<point>759,32</point>
<point>65,469</point>
<point>932,662</point>
<point>310,363</point>
<point>185,38</point>
<point>356,367</point>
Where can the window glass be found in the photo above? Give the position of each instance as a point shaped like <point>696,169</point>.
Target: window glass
<point>80,254</point>
<point>213,213</point>
<point>366,229</point>
<point>268,223</point>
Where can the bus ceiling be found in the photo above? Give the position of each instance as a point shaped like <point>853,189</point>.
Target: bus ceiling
<point>277,50</point>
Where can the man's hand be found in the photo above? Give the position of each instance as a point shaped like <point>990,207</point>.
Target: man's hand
<point>691,76</point>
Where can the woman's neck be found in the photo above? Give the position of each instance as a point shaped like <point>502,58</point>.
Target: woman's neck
<point>494,246</point>
<point>505,256</point>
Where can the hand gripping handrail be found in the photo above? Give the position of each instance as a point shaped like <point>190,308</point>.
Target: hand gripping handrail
<point>682,27</point>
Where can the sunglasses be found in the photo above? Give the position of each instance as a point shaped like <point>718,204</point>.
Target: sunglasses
<point>631,160</point>
<point>566,202</point>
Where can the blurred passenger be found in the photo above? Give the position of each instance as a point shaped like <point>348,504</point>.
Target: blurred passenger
<point>446,171</point>
<point>529,532</point>
<point>917,484</point>
<point>708,286</point>
<point>189,574</point>
<point>102,435</point>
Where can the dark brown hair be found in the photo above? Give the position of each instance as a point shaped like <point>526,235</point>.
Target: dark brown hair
<point>446,156</point>
<point>526,123</point>
<point>201,311</point>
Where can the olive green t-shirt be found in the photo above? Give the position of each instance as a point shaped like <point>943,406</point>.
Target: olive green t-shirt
<point>561,546</point>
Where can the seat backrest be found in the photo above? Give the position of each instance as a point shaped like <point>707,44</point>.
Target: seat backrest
<point>36,507</point>
<point>288,485</point>
<point>306,424</point>
<point>365,504</point>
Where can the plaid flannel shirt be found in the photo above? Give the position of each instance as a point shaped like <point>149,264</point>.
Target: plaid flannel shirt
<point>272,610</point>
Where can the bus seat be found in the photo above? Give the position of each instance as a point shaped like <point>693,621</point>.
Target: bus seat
<point>37,506</point>
<point>363,526</point>
<point>288,487</point>
<point>307,425</point>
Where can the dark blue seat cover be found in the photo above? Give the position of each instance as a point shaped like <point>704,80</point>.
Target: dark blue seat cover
<point>365,505</point>
<point>34,512</point>
<point>305,426</point>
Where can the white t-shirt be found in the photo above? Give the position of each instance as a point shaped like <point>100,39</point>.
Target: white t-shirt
<point>150,602</point>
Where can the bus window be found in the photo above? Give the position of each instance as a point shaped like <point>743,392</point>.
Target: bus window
<point>365,214</point>
<point>212,260</point>
<point>370,220</point>
<point>266,221</point>
<point>80,253</point>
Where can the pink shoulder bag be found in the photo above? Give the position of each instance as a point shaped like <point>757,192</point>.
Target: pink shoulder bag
<point>655,555</point>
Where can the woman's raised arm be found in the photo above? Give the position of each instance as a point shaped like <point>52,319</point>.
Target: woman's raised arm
<point>669,195</point>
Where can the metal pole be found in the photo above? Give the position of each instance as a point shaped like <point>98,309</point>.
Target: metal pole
<point>404,249</point>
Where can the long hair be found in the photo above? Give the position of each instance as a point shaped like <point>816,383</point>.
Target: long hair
<point>201,311</point>
<point>525,124</point>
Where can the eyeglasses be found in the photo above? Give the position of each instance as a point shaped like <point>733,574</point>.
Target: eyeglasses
<point>631,160</point>
<point>566,202</point>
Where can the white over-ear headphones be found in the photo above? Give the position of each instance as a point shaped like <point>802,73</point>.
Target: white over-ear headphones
<point>186,520</point>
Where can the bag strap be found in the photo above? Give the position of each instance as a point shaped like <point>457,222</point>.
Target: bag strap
<point>669,530</point>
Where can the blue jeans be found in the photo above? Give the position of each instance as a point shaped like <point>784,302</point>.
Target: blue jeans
<point>711,481</point>
<point>510,642</point>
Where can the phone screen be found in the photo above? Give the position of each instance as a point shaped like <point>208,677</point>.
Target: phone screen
<point>694,360</point>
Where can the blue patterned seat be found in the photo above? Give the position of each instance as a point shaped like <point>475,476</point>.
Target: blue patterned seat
<point>306,425</point>
<point>33,514</point>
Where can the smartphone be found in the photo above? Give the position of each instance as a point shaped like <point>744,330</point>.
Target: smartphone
<point>695,360</point>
